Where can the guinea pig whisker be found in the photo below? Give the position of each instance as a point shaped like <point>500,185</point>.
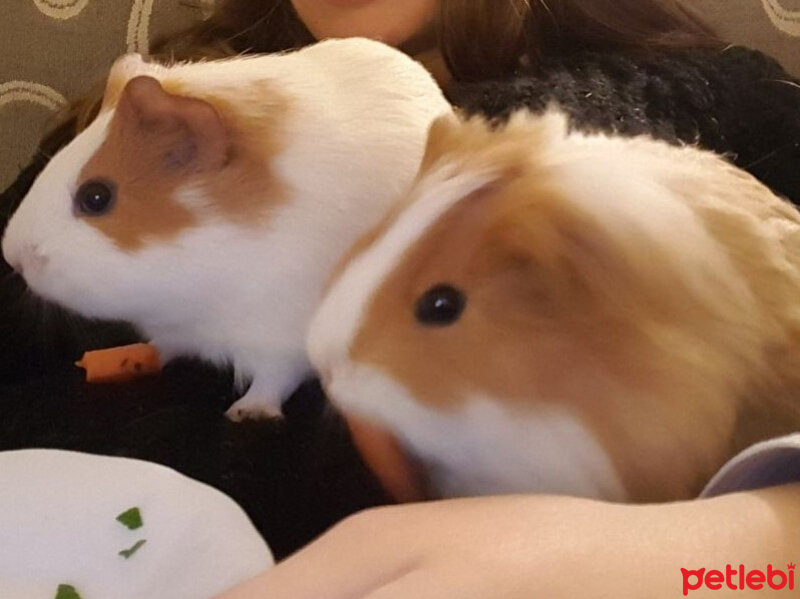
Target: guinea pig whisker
<point>255,25</point>
<point>772,153</point>
<point>544,5</point>
<point>790,83</point>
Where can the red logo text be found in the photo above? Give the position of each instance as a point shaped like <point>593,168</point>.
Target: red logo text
<point>738,579</point>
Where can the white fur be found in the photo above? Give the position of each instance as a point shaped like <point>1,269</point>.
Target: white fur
<point>352,141</point>
<point>44,226</point>
<point>481,448</point>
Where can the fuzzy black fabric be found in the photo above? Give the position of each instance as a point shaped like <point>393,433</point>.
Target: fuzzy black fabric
<point>736,102</point>
<point>297,477</point>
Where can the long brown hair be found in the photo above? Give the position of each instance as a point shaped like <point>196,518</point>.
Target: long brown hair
<point>486,39</point>
<point>479,39</point>
<point>239,27</point>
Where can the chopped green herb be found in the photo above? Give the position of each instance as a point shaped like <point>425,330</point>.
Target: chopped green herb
<point>66,591</point>
<point>127,553</point>
<point>131,518</point>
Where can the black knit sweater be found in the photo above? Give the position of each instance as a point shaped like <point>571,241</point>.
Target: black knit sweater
<point>736,102</point>
<point>297,477</point>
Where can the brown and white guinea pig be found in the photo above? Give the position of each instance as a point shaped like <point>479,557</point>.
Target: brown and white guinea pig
<point>208,202</point>
<point>553,311</point>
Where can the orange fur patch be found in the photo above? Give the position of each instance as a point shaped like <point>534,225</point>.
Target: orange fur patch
<point>244,190</point>
<point>146,206</point>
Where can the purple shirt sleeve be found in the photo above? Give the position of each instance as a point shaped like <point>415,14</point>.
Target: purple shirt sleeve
<point>766,464</point>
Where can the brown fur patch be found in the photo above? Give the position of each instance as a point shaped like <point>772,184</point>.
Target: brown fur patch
<point>558,313</point>
<point>244,190</point>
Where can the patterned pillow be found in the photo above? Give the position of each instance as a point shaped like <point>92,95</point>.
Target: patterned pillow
<point>772,26</point>
<point>52,51</point>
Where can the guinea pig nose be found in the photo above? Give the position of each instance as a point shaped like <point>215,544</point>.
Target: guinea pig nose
<point>12,258</point>
<point>27,255</point>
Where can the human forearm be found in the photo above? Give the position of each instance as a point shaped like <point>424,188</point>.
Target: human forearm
<point>529,547</point>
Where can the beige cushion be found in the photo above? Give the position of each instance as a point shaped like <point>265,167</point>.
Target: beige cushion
<point>52,51</point>
<point>772,26</point>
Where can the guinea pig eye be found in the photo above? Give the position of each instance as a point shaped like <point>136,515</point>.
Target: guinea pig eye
<point>440,306</point>
<point>95,197</point>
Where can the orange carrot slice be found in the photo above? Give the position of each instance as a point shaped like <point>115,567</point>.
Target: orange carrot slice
<point>120,364</point>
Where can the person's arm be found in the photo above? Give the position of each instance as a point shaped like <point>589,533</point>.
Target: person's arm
<point>524,547</point>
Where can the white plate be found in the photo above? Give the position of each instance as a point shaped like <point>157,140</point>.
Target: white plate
<point>58,526</point>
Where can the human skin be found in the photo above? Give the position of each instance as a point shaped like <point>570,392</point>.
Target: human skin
<point>394,22</point>
<point>406,24</point>
<point>526,547</point>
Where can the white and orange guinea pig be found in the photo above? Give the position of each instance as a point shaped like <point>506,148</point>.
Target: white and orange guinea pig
<point>551,311</point>
<point>209,202</point>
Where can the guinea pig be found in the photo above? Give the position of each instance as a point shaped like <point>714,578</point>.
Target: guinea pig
<point>550,310</point>
<point>208,202</point>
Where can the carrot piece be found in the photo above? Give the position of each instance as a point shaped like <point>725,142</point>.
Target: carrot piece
<point>120,364</point>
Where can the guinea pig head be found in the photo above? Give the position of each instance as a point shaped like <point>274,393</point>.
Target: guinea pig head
<point>547,312</point>
<point>113,225</point>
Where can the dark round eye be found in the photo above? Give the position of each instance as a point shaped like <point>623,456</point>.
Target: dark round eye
<point>95,197</point>
<point>440,306</point>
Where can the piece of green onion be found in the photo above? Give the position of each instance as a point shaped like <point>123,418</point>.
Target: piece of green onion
<point>131,518</point>
<point>127,553</point>
<point>67,591</point>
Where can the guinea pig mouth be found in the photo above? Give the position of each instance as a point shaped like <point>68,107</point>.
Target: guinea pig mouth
<point>401,476</point>
<point>27,259</point>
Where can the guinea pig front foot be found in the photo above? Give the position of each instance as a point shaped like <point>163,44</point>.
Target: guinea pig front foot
<point>254,406</point>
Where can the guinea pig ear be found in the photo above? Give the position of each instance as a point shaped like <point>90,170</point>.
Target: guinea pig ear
<point>124,69</point>
<point>443,134</point>
<point>186,133</point>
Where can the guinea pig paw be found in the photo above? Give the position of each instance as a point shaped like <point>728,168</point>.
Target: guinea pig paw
<point>253,408</point>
